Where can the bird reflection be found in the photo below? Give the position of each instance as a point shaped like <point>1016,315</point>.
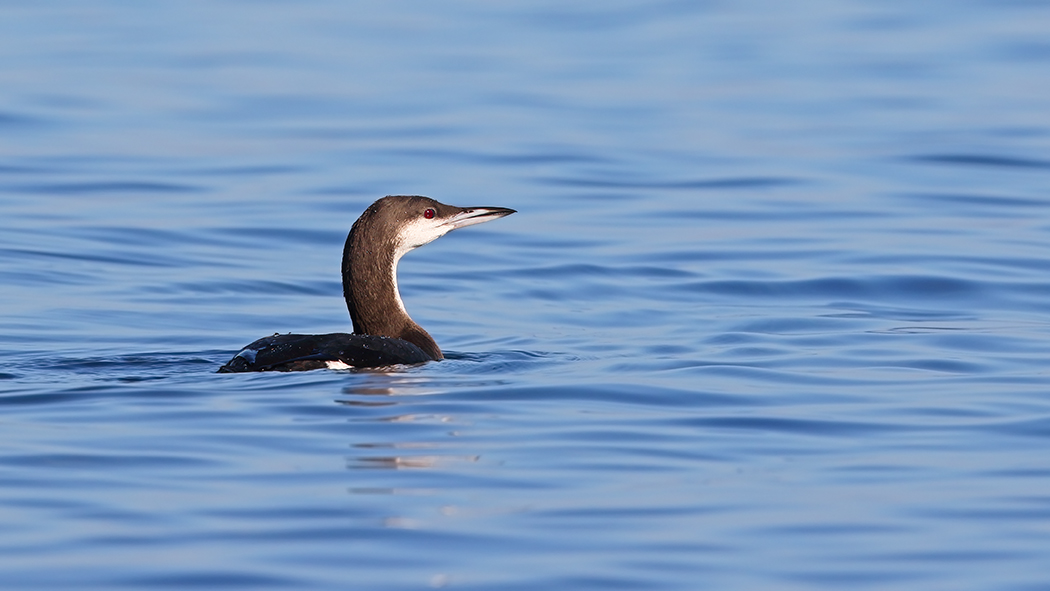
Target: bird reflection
<point>372,390</point>
<point>405,461</point>
<point>385,390</point>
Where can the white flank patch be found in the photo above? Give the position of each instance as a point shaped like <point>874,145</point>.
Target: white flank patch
<point>338,365</point>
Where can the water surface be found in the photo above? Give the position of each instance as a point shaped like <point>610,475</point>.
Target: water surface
<point>772,314</point>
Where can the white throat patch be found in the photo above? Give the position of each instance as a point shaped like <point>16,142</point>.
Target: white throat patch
<point>418,232</point>
<point>413,235</point>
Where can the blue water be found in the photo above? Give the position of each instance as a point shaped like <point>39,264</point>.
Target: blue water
<point>774,312</point>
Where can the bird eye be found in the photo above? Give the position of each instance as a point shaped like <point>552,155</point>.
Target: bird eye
<point>429,213</point>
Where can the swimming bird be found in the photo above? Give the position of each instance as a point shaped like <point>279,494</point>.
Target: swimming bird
<point>383,334</point>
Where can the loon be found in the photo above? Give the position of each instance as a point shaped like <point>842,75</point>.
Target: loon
<point>383,332</point>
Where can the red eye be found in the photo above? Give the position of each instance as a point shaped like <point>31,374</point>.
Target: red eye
<point>429,213</point>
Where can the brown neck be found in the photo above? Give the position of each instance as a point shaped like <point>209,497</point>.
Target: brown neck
<point>370,288</point>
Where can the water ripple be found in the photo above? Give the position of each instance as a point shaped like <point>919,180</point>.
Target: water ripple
<point>723,183</point>
<point>993,161</point>
<point>103,187</point>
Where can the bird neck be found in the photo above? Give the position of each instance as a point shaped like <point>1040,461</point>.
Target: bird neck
<point>370,289</point>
